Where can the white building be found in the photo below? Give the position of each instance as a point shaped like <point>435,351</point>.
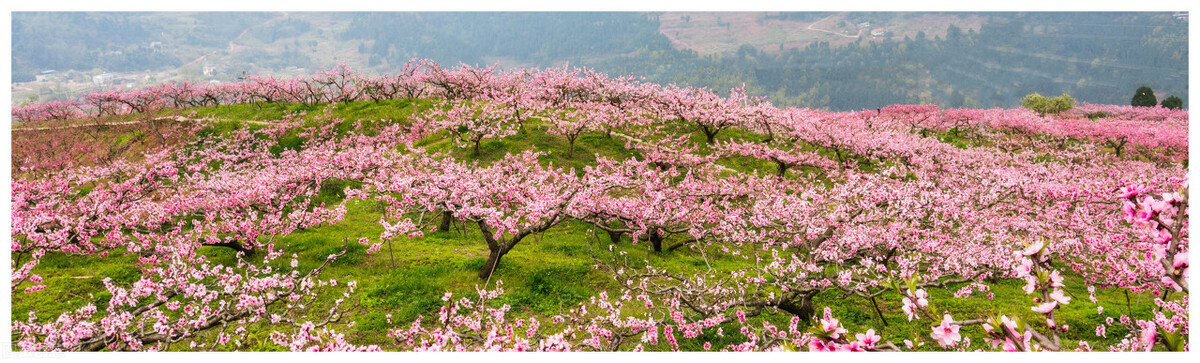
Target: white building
<point>47,75</point>
<point>104,78</point>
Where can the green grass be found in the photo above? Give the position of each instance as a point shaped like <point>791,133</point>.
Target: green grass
<point>858,315</point>
<point>546,274</point>
<point>543,276</point>
<point>72,282</point>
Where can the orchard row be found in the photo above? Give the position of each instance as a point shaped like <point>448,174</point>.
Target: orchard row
<point>858,203</point>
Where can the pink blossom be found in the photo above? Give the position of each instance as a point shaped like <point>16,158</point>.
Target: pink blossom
<point>1046,307</point>
<point>868,339</point>
<point>947,333</point>
<point>1058,296</point>
<point>1033,248</point>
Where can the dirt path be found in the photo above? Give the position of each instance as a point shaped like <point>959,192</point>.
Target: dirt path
<point>164,118</point>
<point>810,27</point>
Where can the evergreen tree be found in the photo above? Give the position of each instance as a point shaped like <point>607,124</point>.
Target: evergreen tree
<point>1173,103</point>
<point>1144,97</point>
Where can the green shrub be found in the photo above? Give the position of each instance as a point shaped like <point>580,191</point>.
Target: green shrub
<point>1045,105</point>
<point>1173,103</point>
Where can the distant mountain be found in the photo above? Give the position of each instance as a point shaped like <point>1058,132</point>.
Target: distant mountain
<point>838,61</point>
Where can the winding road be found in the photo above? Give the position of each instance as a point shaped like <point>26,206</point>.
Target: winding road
<point>810,27</point>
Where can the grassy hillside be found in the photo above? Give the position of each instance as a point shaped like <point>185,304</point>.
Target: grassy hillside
<point>549,274</point>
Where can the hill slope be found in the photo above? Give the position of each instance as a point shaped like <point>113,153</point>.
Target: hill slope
<point>568,210</point>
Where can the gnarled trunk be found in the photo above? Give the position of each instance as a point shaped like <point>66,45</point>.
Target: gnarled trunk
<point>496,250</point>
<point>802,309</point>
<point>710,134</point>
<point>614,237</point>
<point>489,266</point>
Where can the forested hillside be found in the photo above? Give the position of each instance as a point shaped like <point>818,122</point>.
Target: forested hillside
<point>1099,58</point>
<point>84,41</point>
<point>1096,57</point>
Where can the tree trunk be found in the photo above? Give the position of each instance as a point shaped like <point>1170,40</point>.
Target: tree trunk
<point>498,246</point>
<point>492,262</point>
<point>496,250</point>
<point>656,240</point>
<point>1118,147</point>
<point>803,309</point>
<point>783,168</point>
<point>614,237</point>
<point>447,217</point>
